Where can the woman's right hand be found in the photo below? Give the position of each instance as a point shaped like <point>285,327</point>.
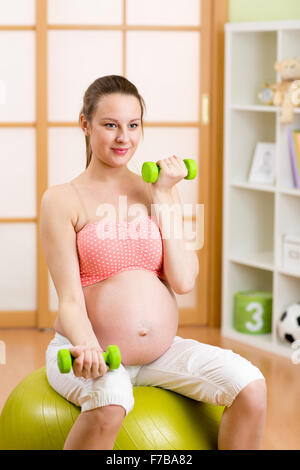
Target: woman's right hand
<point>89,362</point>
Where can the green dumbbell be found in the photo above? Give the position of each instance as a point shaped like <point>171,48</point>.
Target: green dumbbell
<point>112,357</point>
<point>150,170</point>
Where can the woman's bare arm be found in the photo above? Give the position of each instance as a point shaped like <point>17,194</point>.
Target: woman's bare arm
<point>58,239</point>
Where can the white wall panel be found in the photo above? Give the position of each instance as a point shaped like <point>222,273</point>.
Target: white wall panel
<point>17,12</point>
<point>166,12</point>
<point>18,266</point>
<point>159,143</point>
<point>76,59</point>
<point>18,175</point>
<point>17,76</point>
<point>165,67</point>
<point>66,156</point>
<point>85,12</point>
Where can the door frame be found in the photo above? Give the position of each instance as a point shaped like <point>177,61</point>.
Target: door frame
<point>214,15</point>
<point>220,16</point>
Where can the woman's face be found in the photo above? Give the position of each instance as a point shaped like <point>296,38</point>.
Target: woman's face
<point>116,129</point>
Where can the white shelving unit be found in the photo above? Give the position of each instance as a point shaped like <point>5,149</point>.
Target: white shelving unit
<point>255,217</point>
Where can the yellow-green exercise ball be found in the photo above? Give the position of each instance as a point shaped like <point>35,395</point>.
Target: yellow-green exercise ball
<point>35,417</point>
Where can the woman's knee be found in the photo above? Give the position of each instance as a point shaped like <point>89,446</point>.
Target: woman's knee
<point>107,417</point>
<point>253,396</point>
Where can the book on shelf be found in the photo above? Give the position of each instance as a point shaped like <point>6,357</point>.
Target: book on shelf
<point>294,146</point>
<point>296,137</point>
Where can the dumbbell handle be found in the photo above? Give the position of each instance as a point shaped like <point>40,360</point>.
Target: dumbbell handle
<point>150,170</point>
<point>112,357</point>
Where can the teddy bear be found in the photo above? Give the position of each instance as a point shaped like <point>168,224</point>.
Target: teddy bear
<point>286,93</point>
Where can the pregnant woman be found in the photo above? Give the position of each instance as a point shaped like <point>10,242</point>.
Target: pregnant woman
<point>115,277</point>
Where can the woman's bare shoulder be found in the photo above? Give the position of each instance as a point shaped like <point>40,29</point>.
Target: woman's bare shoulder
<point>63,190</point>
<point>63,195</point>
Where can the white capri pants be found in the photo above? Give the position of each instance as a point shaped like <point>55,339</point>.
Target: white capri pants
<point>196,370</point>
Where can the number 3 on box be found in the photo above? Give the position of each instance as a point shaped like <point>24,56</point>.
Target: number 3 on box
<point>257,316</point>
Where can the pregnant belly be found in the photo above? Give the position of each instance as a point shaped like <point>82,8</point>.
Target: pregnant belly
<point>136,311</point>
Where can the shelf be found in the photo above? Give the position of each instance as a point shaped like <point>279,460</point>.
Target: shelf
<point>289,272</point>
<point>290,192</point>
<point>254,187</point>
<point>264,342</point>
<point>268,188</point>
<point>245,130</point>
<point>251,26</point>
<point>257,216</point>
<point>260,108</point>
<point>263,260</point>
<point>251,225</point>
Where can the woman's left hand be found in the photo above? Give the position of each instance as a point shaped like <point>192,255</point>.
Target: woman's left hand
<point>172,170</point>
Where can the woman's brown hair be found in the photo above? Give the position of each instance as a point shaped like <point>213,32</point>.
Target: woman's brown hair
<point>105,86</point>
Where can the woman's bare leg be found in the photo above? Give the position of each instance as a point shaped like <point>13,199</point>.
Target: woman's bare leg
<point>242,424</point>
<point>96,429</point>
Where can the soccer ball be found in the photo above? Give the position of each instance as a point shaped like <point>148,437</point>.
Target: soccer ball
<point>288,327</point>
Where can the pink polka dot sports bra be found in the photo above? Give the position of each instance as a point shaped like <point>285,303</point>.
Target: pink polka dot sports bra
<point>107,248</point>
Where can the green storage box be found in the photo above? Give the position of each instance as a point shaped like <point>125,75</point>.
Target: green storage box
<point>253,312</point>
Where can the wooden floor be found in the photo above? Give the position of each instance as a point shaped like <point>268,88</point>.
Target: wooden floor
<point>25,349</point>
